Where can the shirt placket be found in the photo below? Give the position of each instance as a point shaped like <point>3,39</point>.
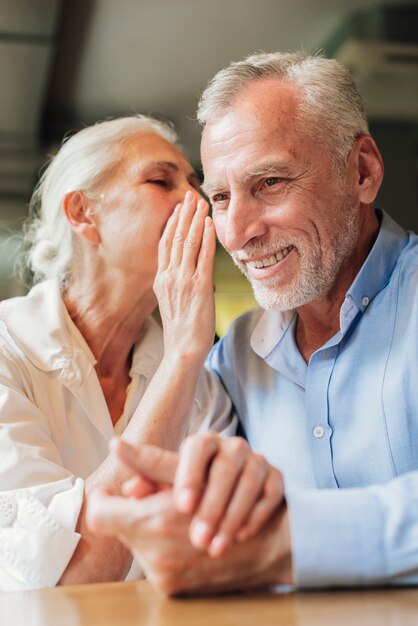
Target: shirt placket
<point>319,434</point>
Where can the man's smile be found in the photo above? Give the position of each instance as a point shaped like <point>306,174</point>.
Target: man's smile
<point>271,259</point>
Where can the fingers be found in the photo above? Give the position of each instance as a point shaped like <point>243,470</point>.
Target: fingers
<point>207,250</point>
<point>166,241</point>
<point>240,505</point>
<point>193,241</point>
<point>231,491</point>
<point>265,507</point>
<point>139,487</point>
<point>108,514</point>
<point>225,474</point>
<point>195,456</point>
<point>153,463</point>
<point>182,238</point>
<point>186,238</point>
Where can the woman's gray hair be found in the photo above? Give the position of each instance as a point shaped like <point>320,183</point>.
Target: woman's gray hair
<point>330,105</point>
<point>81,164</point>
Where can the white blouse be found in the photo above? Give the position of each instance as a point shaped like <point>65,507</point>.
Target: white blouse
<point>55,428</point>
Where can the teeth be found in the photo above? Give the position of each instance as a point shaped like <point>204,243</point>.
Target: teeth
<point>273,259</point>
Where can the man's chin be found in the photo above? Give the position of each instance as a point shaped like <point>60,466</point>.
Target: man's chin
<point>271,298</point>
<point>279,298</point>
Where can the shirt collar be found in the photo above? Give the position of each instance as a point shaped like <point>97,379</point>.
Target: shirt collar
<point>42,328</point>
<point>269,330</point>
<point>371,279</point>
<point>376,271</point>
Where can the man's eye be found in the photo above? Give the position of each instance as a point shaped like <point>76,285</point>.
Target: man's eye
<point>219,197</point>
<point>272,180</point>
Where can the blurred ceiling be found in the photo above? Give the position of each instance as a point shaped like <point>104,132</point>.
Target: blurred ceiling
<point>67,63</point>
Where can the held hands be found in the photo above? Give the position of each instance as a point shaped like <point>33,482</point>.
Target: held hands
<point>226,493</point>
<point>230,491</point>
<point>184,284</point>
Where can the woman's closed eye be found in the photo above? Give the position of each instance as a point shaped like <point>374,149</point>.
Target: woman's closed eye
<point>161,182</point>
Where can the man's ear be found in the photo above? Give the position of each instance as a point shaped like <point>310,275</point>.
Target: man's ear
<point>80,216</point>
<point>368,164</point>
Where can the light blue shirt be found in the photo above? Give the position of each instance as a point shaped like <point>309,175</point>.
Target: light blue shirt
<point>343,429</point>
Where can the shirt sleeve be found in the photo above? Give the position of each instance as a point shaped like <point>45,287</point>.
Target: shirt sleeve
<point>40,500</point>
<point>360,536</point>
<point>212,408</point>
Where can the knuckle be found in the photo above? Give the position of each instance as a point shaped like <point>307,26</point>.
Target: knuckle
<point>237,448</point>
<point>274,486</point>
<point>238,444</point>
<point>228,464</point>
<point>257,468</point>
<point>205,443</point>
<point>190,242</point>
<point>259,458</point>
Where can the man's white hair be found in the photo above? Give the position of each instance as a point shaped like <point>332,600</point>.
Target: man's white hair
<point>82,163</point>
<point>330,106</point>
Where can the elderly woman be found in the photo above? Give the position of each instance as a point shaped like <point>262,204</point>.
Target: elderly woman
<point>82,360</point>
<point>80,357</point>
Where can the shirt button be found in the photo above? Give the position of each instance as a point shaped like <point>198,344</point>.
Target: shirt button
<point>318,432</point>
<point>365,300</point>
<point>8,510</point>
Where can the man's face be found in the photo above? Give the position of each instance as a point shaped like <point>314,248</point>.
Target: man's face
<point>279,208</point>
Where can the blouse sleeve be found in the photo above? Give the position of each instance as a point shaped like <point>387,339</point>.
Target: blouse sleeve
<point>40,500</point>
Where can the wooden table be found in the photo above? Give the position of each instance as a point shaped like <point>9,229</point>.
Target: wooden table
<point>136,603</point>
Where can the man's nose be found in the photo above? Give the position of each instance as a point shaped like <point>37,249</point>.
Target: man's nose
<point>243,222</point>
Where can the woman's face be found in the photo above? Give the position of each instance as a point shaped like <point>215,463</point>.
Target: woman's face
<point>135,203</point>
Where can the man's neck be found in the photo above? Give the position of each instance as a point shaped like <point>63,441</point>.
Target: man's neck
<point>319,320</point>
<point>316,323</point>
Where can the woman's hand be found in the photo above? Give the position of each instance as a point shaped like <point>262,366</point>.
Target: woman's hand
<point>184,283</point>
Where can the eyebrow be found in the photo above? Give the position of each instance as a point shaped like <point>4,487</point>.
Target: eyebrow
<point>169,164</point>
<point>263,168</point>
<point>174,167</point>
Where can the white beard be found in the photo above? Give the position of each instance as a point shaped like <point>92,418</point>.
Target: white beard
<point>317,273</point>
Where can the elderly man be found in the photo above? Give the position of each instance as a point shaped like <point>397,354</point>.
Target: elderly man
<point>324,378</point>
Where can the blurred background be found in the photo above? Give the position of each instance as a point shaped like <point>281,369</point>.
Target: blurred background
<point>65,64</point>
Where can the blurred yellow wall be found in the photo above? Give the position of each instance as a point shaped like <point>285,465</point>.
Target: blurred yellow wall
<point>233,294</point>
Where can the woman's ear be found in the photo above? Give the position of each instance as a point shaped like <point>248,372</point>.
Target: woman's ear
<point>368,164</point>
<point>80,216</point>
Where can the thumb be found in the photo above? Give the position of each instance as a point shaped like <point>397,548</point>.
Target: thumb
<point>152,462</point>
